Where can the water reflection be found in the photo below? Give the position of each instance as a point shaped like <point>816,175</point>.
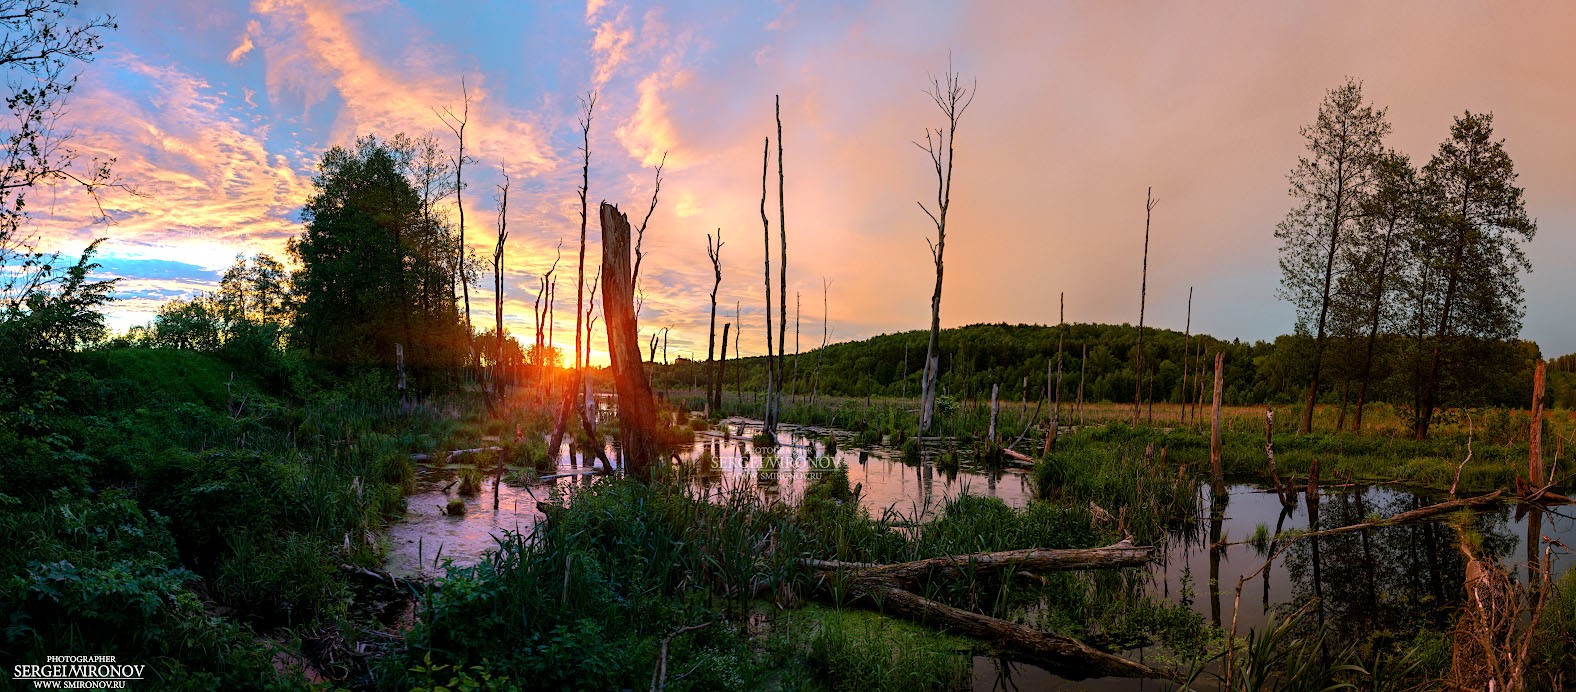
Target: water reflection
<point>1385,580</point>
<point>885,483</point>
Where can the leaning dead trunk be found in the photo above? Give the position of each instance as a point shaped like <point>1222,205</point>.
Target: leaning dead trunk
<point>637,414</point>
<point>889,588</point>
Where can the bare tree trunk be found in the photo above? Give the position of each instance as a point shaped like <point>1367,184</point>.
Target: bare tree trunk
<point>503,235</point>
<point>953,99</point>
<point>1143,293</point>
<point>574,389</point>
<point>1535,436</point>
<point>1056,409</point>
<point>793,393</point>
<point>995,408</point>
<point>722,366</point>
<point>456,124</point>
<point>1187,348</point>
<point>769,421</point>
<point>715,253</point>
<point>1214,431</point>
<point>782,271</point>
<point>815,378</point>
<point>738,389</point>
<point>637,413</point>
<point>1050,430</point>
<point>1082,364</point>
<point>1198,376</point>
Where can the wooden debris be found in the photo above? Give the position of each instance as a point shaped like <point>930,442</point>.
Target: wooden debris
<point>887,588</point>
<point>1413,516</point>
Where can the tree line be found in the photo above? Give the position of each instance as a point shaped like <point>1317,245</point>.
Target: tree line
<point>1101,358</point>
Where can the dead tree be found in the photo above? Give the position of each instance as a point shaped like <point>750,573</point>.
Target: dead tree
<point>815,378</point>
<point>1535,436</point>
<point>952,98</point>
<point>1187,348</point>
<point>588,104</point>
<point>543,313</point>
<point>714,252</point>
<point>456,124</point>
<point>1214,431</point>
<point>637,411</point>
<point>1143,293</point>
<point>1056,408</point>
<point>768,420</point>
<point>596,280</point>
<point>798,303</point>
<point>1082,361</point>
<point>995,408</point>
<point>738,334</point>
<point>782,270</point>
<point>715,394</point>
<point>503,234</point>
<point>640,233</point>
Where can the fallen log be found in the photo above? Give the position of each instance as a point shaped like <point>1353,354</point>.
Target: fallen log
<point>566,474</point>
<point>886,587</point>
<point>1414,515</point>
<point>1017,459</point>
<point>1123,554</point>
<point>384,578</point>
<point>454,453</point>
<point>1061,655</point>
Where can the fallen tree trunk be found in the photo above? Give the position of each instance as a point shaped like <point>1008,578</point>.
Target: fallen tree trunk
<point>1123,554</point>
<point>384,578</point>
<point>1413,516</point>
<point>1061,655</point>
<point>455,453</point>
<point>885,587</point>
<point>1017,459</point>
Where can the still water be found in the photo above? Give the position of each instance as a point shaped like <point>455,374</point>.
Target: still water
<point>1390,578</point>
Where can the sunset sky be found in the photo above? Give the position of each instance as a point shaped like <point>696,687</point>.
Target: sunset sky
<point>218,112</point>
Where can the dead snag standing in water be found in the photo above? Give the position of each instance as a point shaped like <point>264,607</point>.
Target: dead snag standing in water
<point>1214,435</point>
<point>714,252</point>
<point>637,413</point>
<point>952,98</point>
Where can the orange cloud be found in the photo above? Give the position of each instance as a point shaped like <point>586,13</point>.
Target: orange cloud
<point>208,183</point>
<point>311,46</point>
<point>246,44</point>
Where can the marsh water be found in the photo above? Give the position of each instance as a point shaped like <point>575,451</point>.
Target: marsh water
<point>1385,579</point>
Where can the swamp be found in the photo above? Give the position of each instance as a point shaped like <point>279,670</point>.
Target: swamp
<point>274,415</point>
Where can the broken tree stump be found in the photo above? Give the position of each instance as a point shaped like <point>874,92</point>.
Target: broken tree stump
<point>637,410</point>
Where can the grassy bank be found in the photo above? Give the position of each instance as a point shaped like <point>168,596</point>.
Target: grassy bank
<point>178,511</point>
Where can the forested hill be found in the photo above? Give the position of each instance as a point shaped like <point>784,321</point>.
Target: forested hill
<point>976,356</point>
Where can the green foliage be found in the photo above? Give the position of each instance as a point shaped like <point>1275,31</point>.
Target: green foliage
<point>856,650</point>
<point>377,269</point>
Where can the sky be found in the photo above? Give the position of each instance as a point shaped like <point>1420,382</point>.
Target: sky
<point>217,113</point>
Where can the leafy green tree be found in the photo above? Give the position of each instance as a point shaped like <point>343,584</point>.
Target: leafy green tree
<point>194,324</point>
<point>255,291</point>
<point>39,42</point>
<point>1470,251</point>
<point>367,271</point>
<point>1369,301</point>
<point>1328,184</point>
